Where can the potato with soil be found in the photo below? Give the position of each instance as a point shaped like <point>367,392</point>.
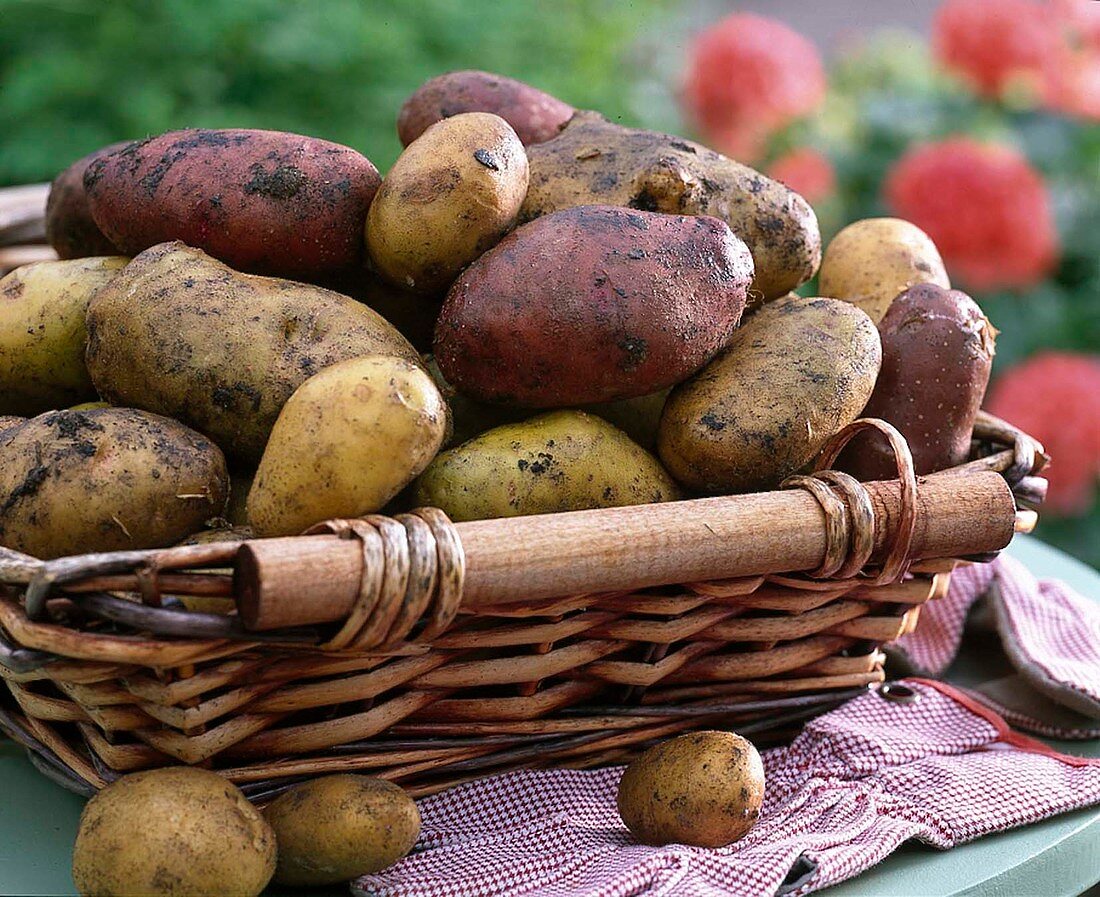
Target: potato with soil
<point>873,260</point>
<point>70,228</point>
<point>596,161</point>
<point>265,202</point>
<point>449,197</point>
<point>339,827</point>
<point>703,789</point>
<point>347,441</point>
<point>182,334</point>
<point>42,335</point>
<point>560,461</point>
<point>173,832</point>
<point>795,374</point>
<point>643,301</point>
<point>535,116</point>
<point>937,352</point>
<point>73,482</point>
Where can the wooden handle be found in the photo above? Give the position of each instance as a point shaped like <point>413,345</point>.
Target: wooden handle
<point>315,579</point>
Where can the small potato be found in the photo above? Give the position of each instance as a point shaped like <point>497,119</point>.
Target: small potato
<point>871,261</point>
<point>643,301</point>
<point>73,482</point>
<point>339,827</point>
<point>535,116</point>
<point>172,832</point>
<point>596,161</point>
<point>42,335</point>
<point>703,789</point>
<point>347,441</point>
<point>265,202</point>
<point>795,374</point>
<point>10,420</point>
<point>412,315</point>
<point>181,334</point>
<point>639,417</point>
<point>70,228</point>
<point>937,352</point>
<point>561,461</point>
<point>449,197</point>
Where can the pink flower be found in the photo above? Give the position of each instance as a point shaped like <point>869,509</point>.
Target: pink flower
<point>983,205</point>
<point>806,171</point>
<point>1055,397</point>
<point>748,76</point>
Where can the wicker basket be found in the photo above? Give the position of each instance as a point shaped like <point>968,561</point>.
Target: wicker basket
<point>431,653</point>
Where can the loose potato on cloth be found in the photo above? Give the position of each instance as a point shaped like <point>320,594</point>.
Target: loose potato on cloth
<point>265,202</point>
<point>181,334</point>
<point>592,304</point>
<point>596,161</point>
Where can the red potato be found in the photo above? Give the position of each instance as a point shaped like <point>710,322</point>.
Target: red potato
<point>264,202</point>
<point>937,351</point>
<point>70,228</point>
<point>534,116</point>
<point>592,304</point>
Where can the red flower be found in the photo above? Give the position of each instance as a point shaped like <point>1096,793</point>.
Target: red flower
<point>983,205</point>
<point>748,76</point>
<point>805,171</point>
<point>998,44</point>
<point>1055,396</point>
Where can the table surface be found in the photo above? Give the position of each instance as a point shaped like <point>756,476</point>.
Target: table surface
<point>1060,856</point>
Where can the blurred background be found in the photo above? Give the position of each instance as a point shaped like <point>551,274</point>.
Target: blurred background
<point>979,120</point>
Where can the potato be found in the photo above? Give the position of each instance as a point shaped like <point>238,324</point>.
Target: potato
<point>937,352</point>
<point>703,789</point>
<point>559,461</point>
<point>470,418</point>
<point>73,482</point>
<point>592,304</point>
<point>173,832</point>
<point>261,201</point>
<point>411,314</point>
<point>639,417</point>
<point>240,484</point>
<point>596,161</point>
<point>347,441</point>
<point>871,261</point>
<point>70,228</point>
<point>449,197</point>
<point>795,374</point>
<point>10,420</point>
<point>183,335</point>
<point>535,116</point>
<point>339,827</point>
<point>42,334</point>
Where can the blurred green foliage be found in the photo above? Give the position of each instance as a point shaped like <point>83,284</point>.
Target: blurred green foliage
<point>78,74</point>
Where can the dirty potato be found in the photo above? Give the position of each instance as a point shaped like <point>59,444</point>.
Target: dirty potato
<point>265,202</point>
<point>535,116</point>
<point>73,482</point>
<point>181,334</point>
<point>643,301</point>
<point>70,228</point>
<point>795,374</point>
<point>347,441</point>
<point>449,197</point>
<point>42,336</point>
<point>596,161</point>
<point>560,461</point>
<point>873,260</point>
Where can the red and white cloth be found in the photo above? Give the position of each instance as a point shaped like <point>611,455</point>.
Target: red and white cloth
<point>943,768</point>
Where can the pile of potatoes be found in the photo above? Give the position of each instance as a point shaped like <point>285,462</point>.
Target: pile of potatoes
<point>535,310</point>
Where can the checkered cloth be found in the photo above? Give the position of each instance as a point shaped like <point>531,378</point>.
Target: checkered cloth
<point>853,786</point>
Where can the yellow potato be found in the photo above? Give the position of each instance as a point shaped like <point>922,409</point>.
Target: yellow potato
<point>339,827</point>
<point>453,193</point>
<point>42,333</point>
<point>173,832</point>
<point>347,441</point>
<point>703,788</point>
<point>110,479</point>
<point>560,461</point>
<point>798,371</point>
<point>873,260</point>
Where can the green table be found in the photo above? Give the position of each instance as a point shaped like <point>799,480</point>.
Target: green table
<point>1058,857</point>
